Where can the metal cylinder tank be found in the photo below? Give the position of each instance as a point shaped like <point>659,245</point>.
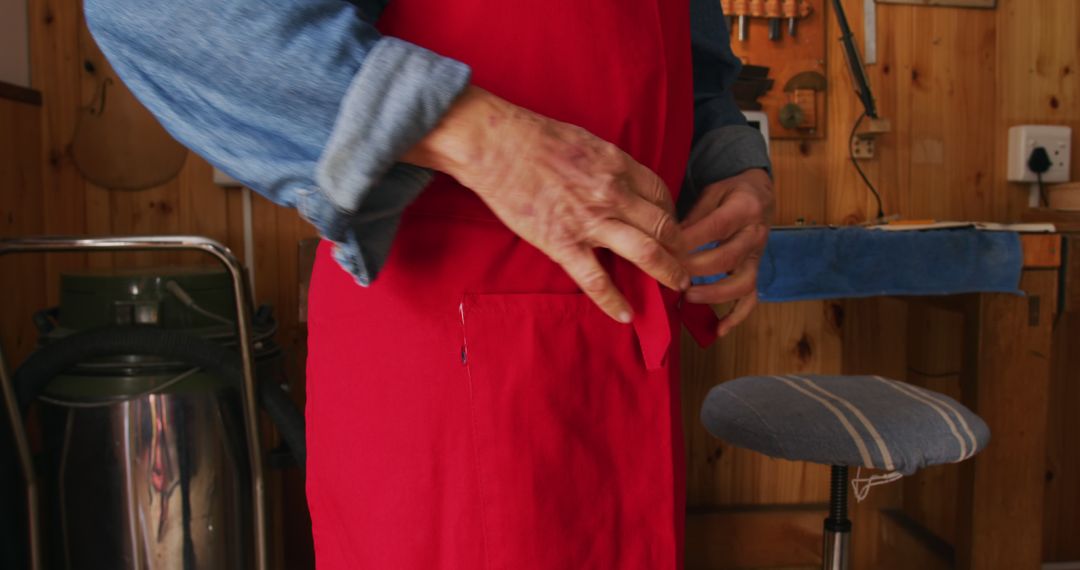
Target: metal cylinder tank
<point>147,456</point>
<point>158,482</point>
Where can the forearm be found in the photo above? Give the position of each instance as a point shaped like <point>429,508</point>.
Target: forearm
<point>292,98</point>
<point>724,145</point>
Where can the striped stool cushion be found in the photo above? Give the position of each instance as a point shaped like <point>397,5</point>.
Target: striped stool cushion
<point>865,421</point>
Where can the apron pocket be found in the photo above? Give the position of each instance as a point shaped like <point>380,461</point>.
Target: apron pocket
<point>573,436</point>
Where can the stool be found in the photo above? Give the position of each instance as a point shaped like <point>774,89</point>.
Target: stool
<point>844,421</point>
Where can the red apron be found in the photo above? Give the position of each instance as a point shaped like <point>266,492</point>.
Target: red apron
<point>472,409</point>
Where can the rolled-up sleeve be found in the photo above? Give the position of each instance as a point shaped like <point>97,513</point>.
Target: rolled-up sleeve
<point>724,145</point>
<point>301,100</point>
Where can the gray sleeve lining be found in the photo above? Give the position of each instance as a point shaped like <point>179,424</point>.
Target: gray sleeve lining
<point>722,153</point>
<point>398,96</point>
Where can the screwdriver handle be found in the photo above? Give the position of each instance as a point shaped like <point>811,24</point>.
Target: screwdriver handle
<point>791,9</point>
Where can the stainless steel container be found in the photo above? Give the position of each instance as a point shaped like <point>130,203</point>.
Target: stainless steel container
<point>155,483</point>
<point>147,454</point>
<point>242,325</point>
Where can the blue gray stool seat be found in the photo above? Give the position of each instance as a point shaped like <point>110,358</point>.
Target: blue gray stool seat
<point>844,421</point>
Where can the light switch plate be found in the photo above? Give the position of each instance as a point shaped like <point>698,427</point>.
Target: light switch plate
<point>1024,139</point>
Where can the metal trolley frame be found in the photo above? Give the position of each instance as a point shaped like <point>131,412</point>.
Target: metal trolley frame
<point>243,319</point>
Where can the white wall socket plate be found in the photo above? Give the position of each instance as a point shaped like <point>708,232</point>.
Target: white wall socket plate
<point>759,121</point>
<point>1023,139</point>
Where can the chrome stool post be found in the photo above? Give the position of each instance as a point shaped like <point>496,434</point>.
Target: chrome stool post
<point>837,526</point>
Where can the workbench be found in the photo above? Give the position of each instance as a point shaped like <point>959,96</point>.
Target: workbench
<point>1005,378</point>
<point>1004,373</point>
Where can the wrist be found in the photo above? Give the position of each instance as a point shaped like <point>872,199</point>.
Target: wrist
<point>460,142</point>
<point>760,176</point>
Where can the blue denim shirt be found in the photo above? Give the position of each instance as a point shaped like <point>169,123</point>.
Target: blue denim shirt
<point>306,103</point>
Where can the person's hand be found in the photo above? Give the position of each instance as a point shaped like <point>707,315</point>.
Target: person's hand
<point>737,213</point>
<point>561,189</point>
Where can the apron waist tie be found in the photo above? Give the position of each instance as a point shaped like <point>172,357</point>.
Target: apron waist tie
<point>652,323</point>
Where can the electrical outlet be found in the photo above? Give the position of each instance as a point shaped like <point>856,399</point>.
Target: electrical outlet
<point>1024,139</point>
<point>864,147</point>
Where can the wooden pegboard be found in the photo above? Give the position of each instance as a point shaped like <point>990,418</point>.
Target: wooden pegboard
<point>787,58</point>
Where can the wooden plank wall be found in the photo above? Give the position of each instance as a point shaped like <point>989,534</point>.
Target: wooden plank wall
<point>20,214</point>
<point>55,199</point>
<point>951,81</point>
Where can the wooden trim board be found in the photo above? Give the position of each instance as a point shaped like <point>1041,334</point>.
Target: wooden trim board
<point>1041,251</point>
<point>755,537</point>
<point>960,3</point>
<point>20,94</point>
<point>906,544</point>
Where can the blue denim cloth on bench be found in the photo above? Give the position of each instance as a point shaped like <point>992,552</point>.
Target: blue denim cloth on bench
<point>834,263</point>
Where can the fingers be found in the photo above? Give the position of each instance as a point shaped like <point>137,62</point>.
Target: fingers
<point>648,185</point>
<point>643,251</point>
<point>728,255</point>
<point>581,265</point>
<point>741,284</point>
<point>724,221</point>
<point>739,313</point>
<point>741,287</point>
<point>706,204</point>
<point>655,222</point>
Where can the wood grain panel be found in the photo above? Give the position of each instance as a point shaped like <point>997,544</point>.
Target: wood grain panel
<point>774,537</point>
<point>1007,361</point>
<point>935,361</point>
<point>54,61</point>
<point>799,171</point>
<point>1070,279</point>
<point>952,98</point>
<point>1038,53</point>
<point>20,214</point>
<point>904,546</point>
<point>962,3</point>
<point>1062,519</point>
<point>1042,251</point>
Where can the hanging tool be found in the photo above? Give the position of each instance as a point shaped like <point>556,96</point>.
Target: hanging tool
<point>741,9</point>
<point>757,8</point>
<point>855,64</point>
<point>727,6</point>
<point>794,10</point>
<point>791,12</point>
<point>772,11</point>
<point>870,37</point>
<point>801,111</point>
